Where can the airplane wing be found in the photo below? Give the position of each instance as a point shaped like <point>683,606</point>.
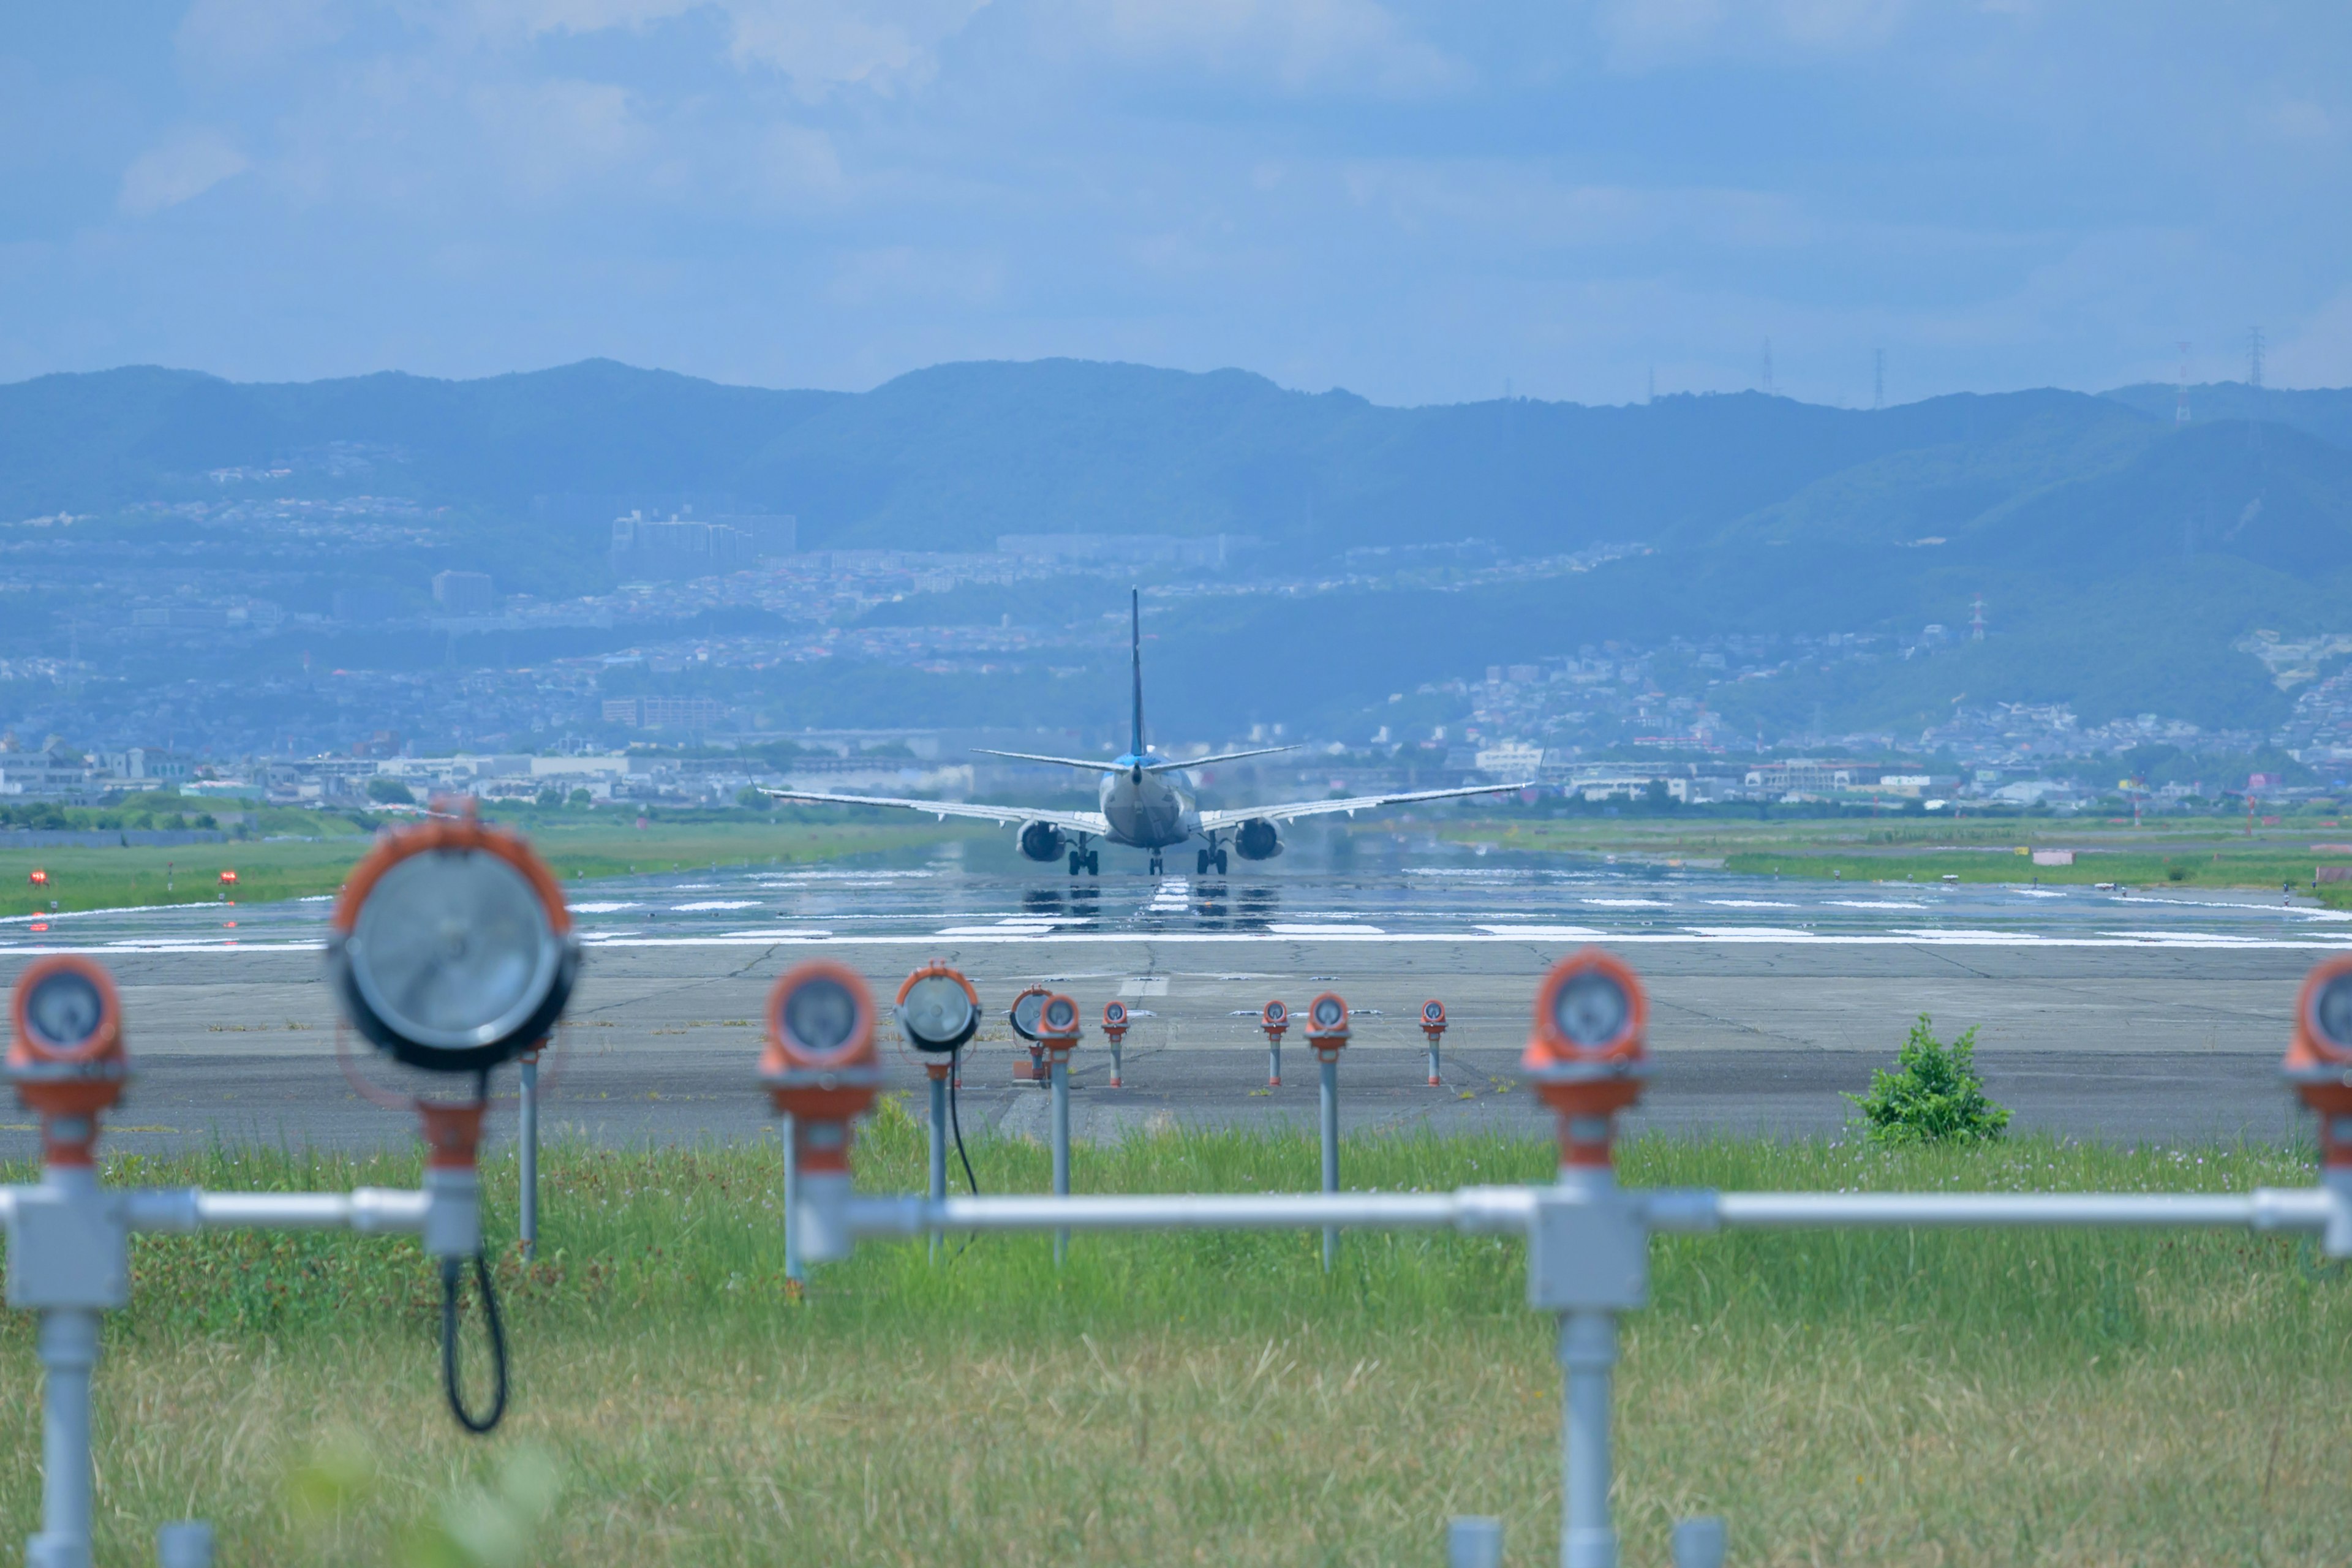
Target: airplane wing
<point>1069,821</point>
<point>1097,765</point>
<point>1218,819</point>
<point>1220,757</point>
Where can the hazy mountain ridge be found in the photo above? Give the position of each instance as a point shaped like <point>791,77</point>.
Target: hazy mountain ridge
<point>2121,554</point>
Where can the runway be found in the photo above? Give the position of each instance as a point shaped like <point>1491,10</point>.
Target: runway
<point>2128,1017</point>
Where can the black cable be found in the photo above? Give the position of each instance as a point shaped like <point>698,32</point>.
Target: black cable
<point>450,1380</point>
<point>956,1122</point>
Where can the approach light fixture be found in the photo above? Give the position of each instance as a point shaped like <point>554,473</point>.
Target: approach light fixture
<point>65,1053</point>
<point>1024,1014</point>
<point>451,948</point>
<point>1588,1053</point>
<point>939,1012</point>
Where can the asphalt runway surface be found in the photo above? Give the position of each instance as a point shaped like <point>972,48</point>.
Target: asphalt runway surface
<point>2117,1016</point>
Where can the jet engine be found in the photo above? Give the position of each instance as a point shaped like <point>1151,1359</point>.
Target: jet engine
<point>1043,841</point>
<point>1257,840</point>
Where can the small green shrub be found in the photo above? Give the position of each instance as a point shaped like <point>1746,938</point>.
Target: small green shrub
<point>1933,1096</point>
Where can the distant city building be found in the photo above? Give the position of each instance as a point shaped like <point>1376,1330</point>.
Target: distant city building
<point>663,712</point>
<point>146,766</point>
<point>1510,760</point>
<point>464,593</point>
<point>690,547</point>
<point>1128,548</point>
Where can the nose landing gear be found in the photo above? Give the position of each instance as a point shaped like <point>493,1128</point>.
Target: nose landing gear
<point>1155,865</point>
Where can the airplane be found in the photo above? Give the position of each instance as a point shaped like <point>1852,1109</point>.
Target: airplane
<point>1148,803</point>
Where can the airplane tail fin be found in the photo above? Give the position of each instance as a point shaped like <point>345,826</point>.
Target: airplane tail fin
<point>1135,614</point>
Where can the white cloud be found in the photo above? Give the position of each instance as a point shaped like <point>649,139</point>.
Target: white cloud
<point>551,137</point>
<point>1640,34</point>
<point>883,45</point>
<point>244,38</point>
<point>819,46</point>
<point>2295,119</point>
<point>182,166</point>
<point>1297,44</point>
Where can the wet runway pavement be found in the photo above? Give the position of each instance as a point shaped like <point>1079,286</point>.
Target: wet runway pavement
<point>2100,1014</point>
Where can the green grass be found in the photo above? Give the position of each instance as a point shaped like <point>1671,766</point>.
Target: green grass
<point>2202,853</point>
<point>575,844</point>
<point>1854,1397</point>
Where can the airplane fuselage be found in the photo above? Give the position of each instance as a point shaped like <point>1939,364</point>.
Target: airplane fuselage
<point>1148,809</point>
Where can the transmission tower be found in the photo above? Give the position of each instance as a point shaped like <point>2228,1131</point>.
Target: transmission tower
<point>1768,367</point>
<point>1878,378</point>
<point>1976,619</point>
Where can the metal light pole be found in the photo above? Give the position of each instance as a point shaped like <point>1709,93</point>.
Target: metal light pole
<point>1057,1033</point>
<point>1432,1026</point>
<point>1327,1031</point>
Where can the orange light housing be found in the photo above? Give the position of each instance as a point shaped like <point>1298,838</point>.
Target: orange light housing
<point>1114,1019</point>
<point>1327,1025</point>
<point>2319,1058</point>
<point>64,1051</point>
<point>1588,1053</point>
<point>1433,1018</point>
<point>39,878</point>
<point>1057,1024</point>
<point>820,1064</point>
<point>1274,1020</point>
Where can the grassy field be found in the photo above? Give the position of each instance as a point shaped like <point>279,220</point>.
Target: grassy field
<point>1887,1398</point>
<point>2204,853</point>
<point>577,844</point>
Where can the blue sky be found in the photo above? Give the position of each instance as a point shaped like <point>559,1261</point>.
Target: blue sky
<point>1419,202</point>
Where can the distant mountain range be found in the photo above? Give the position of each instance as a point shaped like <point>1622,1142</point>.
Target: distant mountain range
<point>2120,553</point>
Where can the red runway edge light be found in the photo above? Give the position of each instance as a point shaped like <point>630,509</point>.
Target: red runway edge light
<point>1588,1054</point>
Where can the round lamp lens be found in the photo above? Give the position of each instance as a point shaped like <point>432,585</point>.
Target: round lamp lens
<point>1592,1010</point>
<point>2331,1011</point>
<point>1025,1015</point>
<point>935,1012</point>
<point>1433,1012</point>
<point>1115,1014</point>
<point>1328,1012</point>
<point>1276,1013</point>
<point>820,1015</point>
<point>452,950</point>
<point>1060,1015</point>
<point>64,1010</point>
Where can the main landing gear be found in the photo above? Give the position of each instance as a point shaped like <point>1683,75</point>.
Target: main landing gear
<point>1209,857</point>
<point>1090,859</point>
<point>1155,863</point>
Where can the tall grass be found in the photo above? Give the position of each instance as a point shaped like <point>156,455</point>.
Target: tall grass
<point>1867,1397</point>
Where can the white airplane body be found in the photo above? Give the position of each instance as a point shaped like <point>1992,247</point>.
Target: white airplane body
<point>1147,802</point>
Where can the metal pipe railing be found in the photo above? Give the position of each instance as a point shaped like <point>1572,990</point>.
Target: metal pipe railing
<point>1482,1210</point>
